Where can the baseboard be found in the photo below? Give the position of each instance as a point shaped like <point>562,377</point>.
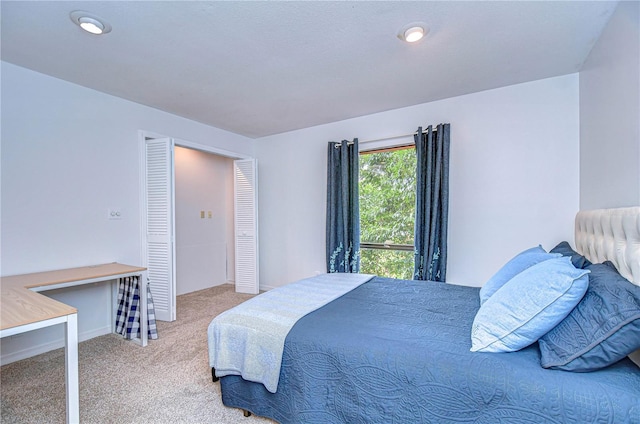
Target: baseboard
<point>47,347</point>
<point>262,286</point>
<point>266,288</point>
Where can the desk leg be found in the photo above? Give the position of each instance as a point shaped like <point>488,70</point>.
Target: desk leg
<point>144,317</point>
<point>71,367</point>
<point>113,304</point>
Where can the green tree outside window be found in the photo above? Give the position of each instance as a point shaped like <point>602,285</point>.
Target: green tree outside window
<point>387,212</point>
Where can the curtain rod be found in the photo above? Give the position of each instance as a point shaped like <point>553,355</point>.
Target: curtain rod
<point>387,138</point>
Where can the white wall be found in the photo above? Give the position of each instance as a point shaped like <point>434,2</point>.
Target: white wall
<point>610,114</point>
<point>68,154</point>
<point>202,183</point>
<point>514,178</point>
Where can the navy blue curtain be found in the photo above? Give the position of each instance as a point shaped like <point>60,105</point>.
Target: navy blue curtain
<point>432,203</point>
<point>343,209</point>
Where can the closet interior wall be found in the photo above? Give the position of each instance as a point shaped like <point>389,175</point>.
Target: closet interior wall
<point>204,220</point>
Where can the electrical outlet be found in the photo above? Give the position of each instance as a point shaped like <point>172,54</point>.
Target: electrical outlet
<point>210,215</point>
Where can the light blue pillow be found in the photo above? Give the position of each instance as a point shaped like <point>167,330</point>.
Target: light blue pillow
<point>528,306</point>
<point>601,330</point>
<point>515,266</point>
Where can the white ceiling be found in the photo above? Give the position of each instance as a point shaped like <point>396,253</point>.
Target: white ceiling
<point>262,68</point>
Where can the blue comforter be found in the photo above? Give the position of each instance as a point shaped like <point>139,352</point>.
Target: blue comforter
<point>394,351</point>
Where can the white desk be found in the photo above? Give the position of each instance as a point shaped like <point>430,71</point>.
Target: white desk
<point>22,309</point>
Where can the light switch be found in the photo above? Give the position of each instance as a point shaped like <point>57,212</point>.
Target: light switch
<point>114,214</point>
<point>201,214</point>
<point>210,215</point>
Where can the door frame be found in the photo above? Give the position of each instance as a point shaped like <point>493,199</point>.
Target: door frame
<point>143,136</point>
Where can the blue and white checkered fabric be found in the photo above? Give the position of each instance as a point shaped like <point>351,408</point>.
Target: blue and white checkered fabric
<point>128,316</point>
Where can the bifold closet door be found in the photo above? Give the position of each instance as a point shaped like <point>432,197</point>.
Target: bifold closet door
<point>160,246</point>
<point>246,225</point>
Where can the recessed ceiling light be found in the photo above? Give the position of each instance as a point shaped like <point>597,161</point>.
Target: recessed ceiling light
<point>413,32</point>
<point>90,23</point>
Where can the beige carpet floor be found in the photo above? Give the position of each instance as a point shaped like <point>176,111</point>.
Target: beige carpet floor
<point>169,381</point>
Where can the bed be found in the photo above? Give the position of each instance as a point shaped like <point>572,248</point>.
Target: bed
<point>380,350</point>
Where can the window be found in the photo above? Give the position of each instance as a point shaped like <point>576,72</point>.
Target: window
<point>387,211</point>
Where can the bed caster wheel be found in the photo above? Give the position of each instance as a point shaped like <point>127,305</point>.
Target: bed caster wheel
<point>213,375</point>
<point>246,413</point>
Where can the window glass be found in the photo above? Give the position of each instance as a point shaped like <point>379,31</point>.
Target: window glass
<point>387,211</point>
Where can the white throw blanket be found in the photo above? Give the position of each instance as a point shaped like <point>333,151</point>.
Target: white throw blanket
<point>248,340</point>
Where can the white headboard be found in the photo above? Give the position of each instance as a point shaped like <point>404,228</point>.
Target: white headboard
<point>611,235</point>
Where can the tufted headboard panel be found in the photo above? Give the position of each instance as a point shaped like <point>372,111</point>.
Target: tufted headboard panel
<point>611,235</point>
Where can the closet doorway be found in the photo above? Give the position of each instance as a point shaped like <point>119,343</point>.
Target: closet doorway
<point>220,189</point>
<point>204,220</point>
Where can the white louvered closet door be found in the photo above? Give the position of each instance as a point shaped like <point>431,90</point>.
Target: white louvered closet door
<point>246,225</point>
<point>161,226</point>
